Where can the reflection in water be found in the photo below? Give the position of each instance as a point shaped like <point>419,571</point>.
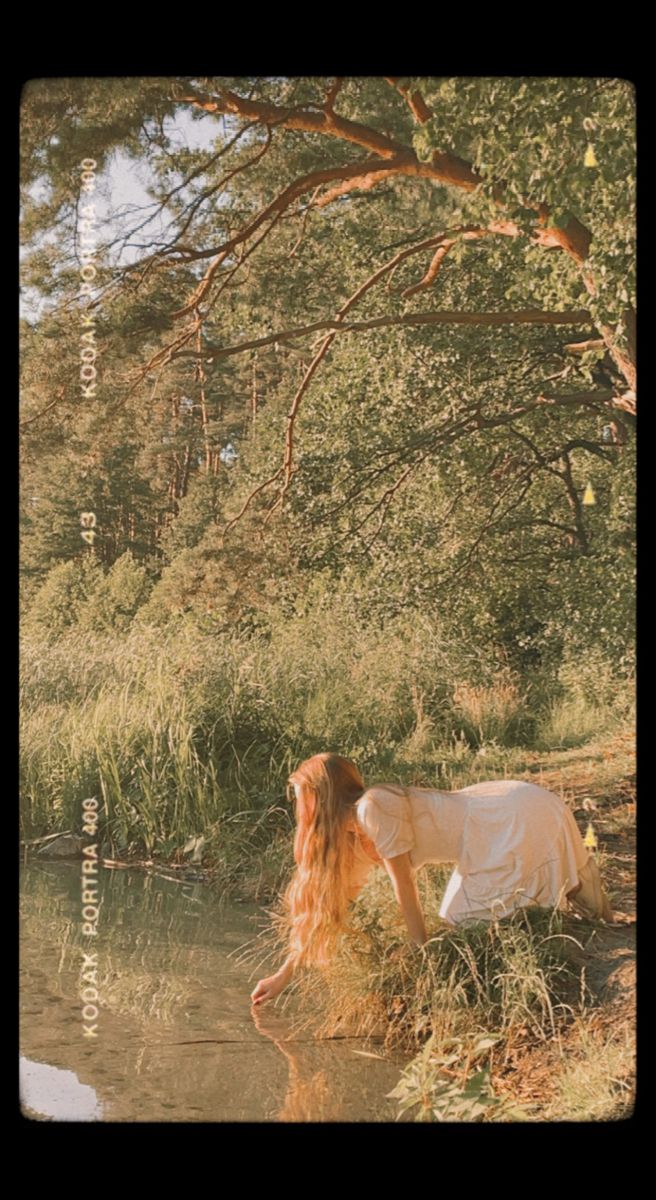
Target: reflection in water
<point>178,1039</point>
<point>312,1093</point>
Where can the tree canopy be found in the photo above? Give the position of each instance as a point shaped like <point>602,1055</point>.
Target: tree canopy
<point>380,329</point>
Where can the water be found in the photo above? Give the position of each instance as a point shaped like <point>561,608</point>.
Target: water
<point>177,1038</point>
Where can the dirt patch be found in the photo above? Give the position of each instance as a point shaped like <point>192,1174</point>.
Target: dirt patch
<point>611,967</point>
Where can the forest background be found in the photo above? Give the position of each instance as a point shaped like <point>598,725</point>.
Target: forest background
<point>327,442</point>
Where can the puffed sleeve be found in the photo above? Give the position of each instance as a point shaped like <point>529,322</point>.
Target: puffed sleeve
<point>385,818</point>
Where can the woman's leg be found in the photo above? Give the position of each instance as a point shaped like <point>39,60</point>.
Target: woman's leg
<point>457,906</point>
<point>451,897</point>
<point>590,898</point>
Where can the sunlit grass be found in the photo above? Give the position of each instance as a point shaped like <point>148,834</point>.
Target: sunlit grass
<point>596,1080</point>
<point>518,973</point>
<point>172,730</point>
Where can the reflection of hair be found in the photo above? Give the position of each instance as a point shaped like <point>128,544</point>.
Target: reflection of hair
<point>317,898</point>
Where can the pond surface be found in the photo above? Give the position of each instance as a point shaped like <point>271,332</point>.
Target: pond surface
<point>176,1037</point>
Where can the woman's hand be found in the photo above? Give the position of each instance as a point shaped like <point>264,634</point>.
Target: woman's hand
<point>267,988</point>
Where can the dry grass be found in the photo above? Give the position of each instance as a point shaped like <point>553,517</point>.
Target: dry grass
<point>596,1078</point>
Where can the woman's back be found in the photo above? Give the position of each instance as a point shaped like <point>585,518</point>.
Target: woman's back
<point>513,842</point>
<point>432,822</point>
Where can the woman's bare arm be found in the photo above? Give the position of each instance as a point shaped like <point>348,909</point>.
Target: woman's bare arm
<point>287,969</point>
<point>402,874</point>
<point>267,988</point>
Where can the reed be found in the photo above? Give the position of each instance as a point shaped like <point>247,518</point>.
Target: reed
<point>177,728</point>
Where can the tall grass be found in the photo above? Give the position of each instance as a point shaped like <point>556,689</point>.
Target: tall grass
<point>519,974</point>
<point>494,713</point>
<point>590,701</point>
<point>173,729</point>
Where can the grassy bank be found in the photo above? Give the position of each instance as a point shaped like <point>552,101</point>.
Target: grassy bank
<point>181,733</point>
<point>186,740</point>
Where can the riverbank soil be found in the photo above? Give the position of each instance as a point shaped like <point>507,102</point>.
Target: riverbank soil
<point>587,1072</point>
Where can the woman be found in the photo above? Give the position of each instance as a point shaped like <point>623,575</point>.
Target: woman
<point>514,844</point>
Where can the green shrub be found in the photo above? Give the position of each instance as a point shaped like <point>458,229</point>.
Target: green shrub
<point>63,594</point>
<point>117,597</point>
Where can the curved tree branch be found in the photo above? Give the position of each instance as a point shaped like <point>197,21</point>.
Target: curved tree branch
<point>574,238</point>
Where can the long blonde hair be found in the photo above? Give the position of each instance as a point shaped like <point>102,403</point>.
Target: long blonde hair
<point>317,898</point>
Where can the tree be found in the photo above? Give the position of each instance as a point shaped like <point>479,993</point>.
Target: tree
<point>67,588</point>
<point>407,303</point>
<point>117,597</point>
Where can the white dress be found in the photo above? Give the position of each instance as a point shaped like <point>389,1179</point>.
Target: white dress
<point>514,844</point>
